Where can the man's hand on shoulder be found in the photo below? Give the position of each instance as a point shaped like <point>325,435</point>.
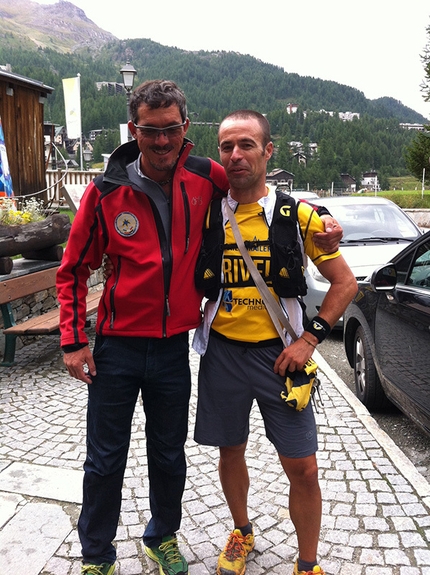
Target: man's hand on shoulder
<point>329,240</point>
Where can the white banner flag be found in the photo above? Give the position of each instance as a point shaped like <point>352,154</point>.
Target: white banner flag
<point>72,102</point>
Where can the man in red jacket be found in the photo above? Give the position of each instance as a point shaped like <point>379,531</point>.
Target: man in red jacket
<point>146,212</point>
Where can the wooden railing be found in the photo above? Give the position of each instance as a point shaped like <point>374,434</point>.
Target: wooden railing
<point>55,179</point>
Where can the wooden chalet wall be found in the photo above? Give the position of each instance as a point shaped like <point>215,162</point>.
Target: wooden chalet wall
<point>21,111</point>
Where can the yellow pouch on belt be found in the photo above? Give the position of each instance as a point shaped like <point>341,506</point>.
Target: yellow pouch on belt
<point>300,386</point>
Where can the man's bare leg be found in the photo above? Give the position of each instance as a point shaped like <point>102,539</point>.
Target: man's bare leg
<point>233,474</point>
<point>305,503</point>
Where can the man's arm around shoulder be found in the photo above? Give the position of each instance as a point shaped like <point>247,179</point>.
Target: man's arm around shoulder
<point>343,287</point>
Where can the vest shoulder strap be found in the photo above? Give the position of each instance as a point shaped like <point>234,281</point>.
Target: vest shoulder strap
<point>285,207</point>
<point>286,258</point>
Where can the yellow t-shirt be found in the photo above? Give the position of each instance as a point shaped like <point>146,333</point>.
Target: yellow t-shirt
<point>242,315</point>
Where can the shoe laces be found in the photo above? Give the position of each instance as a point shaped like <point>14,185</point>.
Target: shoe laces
<point>91,570</point>
<point>234,547</point>
<point>171,551</point>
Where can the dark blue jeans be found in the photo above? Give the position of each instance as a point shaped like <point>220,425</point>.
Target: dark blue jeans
<point>159,370</point>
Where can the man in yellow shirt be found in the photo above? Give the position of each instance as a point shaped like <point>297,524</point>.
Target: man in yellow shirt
<point>243,357</point>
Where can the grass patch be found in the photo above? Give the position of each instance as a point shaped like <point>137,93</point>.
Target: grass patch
<point>68,212</point>
<point>408,199</point>
<point>405,199</point>
<point>405,183</point>
<point>71,215</point>
<point>406,192</point>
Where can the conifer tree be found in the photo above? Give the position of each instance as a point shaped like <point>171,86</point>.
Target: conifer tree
<point>418,153</point>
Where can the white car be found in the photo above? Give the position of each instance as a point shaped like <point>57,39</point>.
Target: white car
<point>374,231</point>
<point>303,195</point>
<point>296,194</point>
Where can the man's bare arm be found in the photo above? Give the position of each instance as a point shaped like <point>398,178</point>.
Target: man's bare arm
<point>343,287</point>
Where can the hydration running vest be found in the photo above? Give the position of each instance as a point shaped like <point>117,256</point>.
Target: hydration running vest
<point>286,258</point>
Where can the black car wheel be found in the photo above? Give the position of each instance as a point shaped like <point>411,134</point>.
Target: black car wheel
<point>367,384</point>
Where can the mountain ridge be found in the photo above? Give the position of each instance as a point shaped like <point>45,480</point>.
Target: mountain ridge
<point>64,28</point>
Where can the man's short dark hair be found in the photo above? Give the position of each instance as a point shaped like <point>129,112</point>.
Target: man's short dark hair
<point>157,94</point>
<point>245,115</point>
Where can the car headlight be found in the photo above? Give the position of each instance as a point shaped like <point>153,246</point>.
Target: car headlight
<point>315,274</point>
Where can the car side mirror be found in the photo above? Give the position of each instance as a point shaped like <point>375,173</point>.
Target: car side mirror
<point>384,278</point>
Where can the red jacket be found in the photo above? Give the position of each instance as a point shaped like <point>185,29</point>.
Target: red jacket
<point>151,292</point>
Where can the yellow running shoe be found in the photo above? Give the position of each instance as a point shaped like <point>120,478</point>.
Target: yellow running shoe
<point>232,560</point>
<point>315,571</point>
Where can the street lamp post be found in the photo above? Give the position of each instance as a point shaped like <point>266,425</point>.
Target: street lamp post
<point>128,73</point>
<point>87,157</point>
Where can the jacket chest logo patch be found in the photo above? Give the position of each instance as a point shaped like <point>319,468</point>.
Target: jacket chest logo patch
<point>126,224</point>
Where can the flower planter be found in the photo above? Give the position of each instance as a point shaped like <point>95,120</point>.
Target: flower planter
<point>37,240</point>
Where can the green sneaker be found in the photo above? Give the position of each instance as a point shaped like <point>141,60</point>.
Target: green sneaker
<point>168,557</point>
<point>103,569</point>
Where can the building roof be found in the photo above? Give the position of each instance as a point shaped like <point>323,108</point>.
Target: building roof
<point>24,81</point>
<point>278,171</point>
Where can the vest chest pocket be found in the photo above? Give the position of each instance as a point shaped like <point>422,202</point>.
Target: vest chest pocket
<point>286,269</point>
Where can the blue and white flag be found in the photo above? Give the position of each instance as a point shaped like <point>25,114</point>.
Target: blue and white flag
<point>6,188</point>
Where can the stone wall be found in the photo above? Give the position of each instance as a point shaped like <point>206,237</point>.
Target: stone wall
<point>420,217</point>
<point>37,304</point>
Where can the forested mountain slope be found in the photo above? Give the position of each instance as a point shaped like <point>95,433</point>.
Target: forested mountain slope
<point>52,42</point>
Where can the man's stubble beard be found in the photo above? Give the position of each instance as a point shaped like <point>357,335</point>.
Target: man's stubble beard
<point>160,167</point>
<point>163,168</point>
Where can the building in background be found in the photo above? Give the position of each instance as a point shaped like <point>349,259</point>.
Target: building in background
<point>21,110</point>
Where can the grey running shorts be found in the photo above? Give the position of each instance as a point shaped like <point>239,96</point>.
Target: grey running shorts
<point>231,376</point>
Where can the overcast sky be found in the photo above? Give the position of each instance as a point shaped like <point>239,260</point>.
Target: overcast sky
<point>372,45</point>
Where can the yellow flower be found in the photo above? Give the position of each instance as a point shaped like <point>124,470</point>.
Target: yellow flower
<point>32,211</point>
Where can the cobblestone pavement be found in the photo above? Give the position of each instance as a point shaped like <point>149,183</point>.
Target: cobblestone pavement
<point>376,518</point>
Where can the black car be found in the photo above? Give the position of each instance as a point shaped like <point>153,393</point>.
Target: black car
<point>387,335</point>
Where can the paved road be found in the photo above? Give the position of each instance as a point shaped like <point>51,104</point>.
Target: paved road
<point>376,506</point>
<point>405,434</point>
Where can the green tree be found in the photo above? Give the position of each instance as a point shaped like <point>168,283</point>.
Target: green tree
<point>418,156</point>
<point>105,143</point>
<point>425,87</point>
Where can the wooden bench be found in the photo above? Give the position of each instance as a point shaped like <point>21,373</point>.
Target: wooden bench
<point>47,323</point>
